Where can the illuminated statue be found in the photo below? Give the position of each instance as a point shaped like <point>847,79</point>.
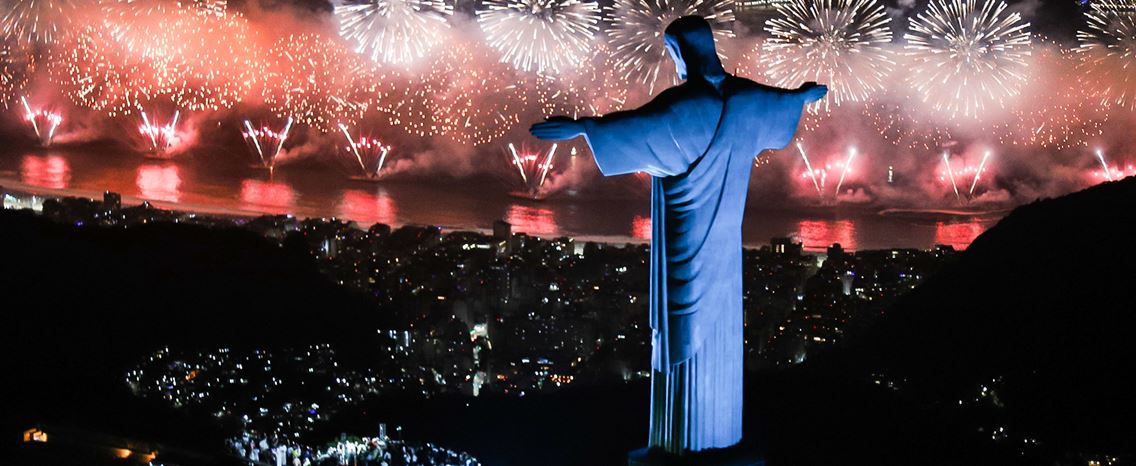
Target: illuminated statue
<point>697,140</point>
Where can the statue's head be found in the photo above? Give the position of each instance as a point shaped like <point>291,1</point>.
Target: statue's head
<point>690,42</point>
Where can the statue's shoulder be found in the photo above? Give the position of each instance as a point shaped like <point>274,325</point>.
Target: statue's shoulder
<point>683,97</point>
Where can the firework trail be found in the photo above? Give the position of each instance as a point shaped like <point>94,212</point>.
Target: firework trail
<point>808,166</point>
<point>543,36</point>
<point>532,167</point>
<point>978,173</point>
<point>158,138</point>
<point>842,43</point>
<point>636,33</point>
<point>370,153</point>
<point>39,22</point>
<point>43,122</point>
<point>394,31</point>
<point>951,174</point>
<point>1108,50</point>
<point>844,172</point>
<point>1104,165</point>
<point>266,143</point>
<point>967,55</point>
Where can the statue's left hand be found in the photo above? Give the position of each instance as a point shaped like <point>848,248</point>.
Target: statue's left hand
<point>557,128</point>
<point>813,91</point>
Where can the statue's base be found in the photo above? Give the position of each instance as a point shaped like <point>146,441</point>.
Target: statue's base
<point>733,456</point>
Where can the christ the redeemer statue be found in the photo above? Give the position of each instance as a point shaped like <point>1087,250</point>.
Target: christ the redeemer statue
<point>697,140</point>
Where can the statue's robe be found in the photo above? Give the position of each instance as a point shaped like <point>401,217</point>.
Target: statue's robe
<point>697,140</point>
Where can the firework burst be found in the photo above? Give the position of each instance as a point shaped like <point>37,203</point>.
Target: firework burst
<point>636,33</point>
<point>819,175</point>
<point>478,104</point>
<point>465,94</point>
<point>207,7</point>
<point>320,83</point>
<point>1108,48</point>
<point>545,36</point>
<point>158,138</point>
<point>42,121</point>
<point>842,43</point>
<point>93,71</point>
<point>1109,172</point>
<point>533,167</point>
<point>899,124</point>
<point>199,62</point>
<point>369,153</point>
<point>593,89</point>
<point>37,21</point>
<point>16,65</point>
<point>266,143</point>
<point>137,23</point>
<point>954,175</point>
<point>394,31</point>
<point>1056,110</point>
<point>967,55</point>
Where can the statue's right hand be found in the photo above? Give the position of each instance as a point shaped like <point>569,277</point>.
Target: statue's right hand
<point>813,91</point>
<point>558,128</point>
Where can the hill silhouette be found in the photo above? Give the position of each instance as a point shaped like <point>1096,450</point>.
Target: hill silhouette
<point>1040,310</point>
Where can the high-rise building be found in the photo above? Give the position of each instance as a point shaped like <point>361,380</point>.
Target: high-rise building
<point>786,246</point>
<point>502,230</point>
<point>112,201</point>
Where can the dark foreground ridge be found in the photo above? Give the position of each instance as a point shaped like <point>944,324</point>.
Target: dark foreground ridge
<point>83,304</point>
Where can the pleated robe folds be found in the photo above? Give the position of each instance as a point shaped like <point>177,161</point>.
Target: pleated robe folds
<point>697,140</point>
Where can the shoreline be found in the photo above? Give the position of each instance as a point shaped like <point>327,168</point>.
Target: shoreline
<point>17,186</point>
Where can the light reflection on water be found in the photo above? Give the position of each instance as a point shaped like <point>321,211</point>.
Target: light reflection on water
<point>532,220</point>
<point>368,208</point>
<point>641,227</point>
<point>45,171</point>
<point>227,184</point>
<point>817,235</point>
<point>267,196</point>
<point>159,182</point>
<point>958,235</point>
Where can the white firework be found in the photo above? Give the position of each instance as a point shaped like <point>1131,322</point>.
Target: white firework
<point>394,31</point>
<point>1108,52</point>
<point>840,43</point>
<point>545,36</point>
<point>967,55</point>
<point>636,33</point>
<point>37,21</point>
